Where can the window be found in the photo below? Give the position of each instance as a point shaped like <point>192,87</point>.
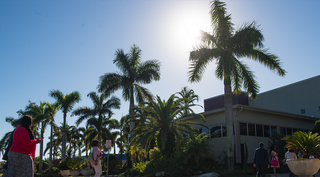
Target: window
<point>283,131</point>
<point>224,130</point>
<point>205,131</point>
<point>215,131</point>
<point>243,128</point>
<point>294,130</point>
<point>273,130</point>
<point>303,111</point>
<point>266,131</point>
<point>289,131</point>
<point>251,130</point>
<point>259,130</point>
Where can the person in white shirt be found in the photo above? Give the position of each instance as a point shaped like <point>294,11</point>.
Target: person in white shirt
<point>290,155</point>
<point>97,158</point>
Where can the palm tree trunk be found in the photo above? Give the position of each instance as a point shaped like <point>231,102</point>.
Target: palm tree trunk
<point>50,155</point>
<point>131,124</point>
<point>64,131</point>
<point>41,149</point>
<point>229,122</point>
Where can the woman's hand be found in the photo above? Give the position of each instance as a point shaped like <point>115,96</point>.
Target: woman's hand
<point>39,140</point>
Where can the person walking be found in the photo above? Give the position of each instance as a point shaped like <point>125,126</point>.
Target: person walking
<point>22,150</point>
<point>260,160</point>
<point>274,160</point>
<point>290,155</point>
<point>97,157</point>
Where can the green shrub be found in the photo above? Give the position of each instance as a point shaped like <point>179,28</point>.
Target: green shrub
<point>137,169</point>
<point>154,153</point>
<point>63,165</point>
<point>74,163</point>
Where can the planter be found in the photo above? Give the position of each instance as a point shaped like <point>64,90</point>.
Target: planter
<point>86,172</point>
<point>74,173</point>
<point>304,167</point>
<point>64,173</point>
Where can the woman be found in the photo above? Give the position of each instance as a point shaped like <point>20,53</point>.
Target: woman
<point>22,150</point>
<point>290,155</point>
<point>97,157</point>
<point>274,157</point>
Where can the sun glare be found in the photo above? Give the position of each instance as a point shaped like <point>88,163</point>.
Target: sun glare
<point>187,24</point>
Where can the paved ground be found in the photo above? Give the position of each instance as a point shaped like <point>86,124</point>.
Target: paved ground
<point>287,175</point>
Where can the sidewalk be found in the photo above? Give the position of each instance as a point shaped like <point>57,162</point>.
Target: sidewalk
<point>287,174</point>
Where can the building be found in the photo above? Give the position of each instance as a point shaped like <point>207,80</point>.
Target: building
<point>283,110</point>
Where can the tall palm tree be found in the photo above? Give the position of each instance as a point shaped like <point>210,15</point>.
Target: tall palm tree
<point>188,97</point>
<point>134,72</point>
<point>226,46</point>
<point>50,111</point>
<point>97,115</point>
<point>164,123</point>
<point>66,103</point>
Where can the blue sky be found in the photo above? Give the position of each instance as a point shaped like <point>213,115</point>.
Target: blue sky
<point>68,44</point>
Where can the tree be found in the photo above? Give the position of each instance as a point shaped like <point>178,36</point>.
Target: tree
<point>66,103</point>
<point>134,72</point>
<point>188,97</point>
<point>226,46</point>
<point>97,115</point>
<point>164,123</point>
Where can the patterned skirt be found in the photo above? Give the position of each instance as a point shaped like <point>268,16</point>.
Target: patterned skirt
<point>20,165</point>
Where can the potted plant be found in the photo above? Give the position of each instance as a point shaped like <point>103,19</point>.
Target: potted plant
<point>74,164</point>
<point>86,169</point>
<point>308,144</point>
<point>63,167</point>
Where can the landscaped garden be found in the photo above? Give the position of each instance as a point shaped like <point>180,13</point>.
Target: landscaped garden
<point>154,135</point>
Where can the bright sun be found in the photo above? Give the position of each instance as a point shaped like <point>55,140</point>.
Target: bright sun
<point>187,24</point>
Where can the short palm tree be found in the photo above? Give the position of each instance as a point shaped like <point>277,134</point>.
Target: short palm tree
<point>133,73</point>
<point>99,115</point>
<point>66,103</point>
<point>164,123</point>
<point>197,149</point>
<point>226,46</point>
<point>307,143</point>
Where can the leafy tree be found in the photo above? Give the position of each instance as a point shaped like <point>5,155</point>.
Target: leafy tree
<point>226,46</point>
<point>133,73</point>
<point>66,103</point>
<point>164,122</point>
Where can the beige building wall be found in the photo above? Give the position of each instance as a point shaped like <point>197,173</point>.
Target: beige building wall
<point>293,98</point>
<point>246,114</point>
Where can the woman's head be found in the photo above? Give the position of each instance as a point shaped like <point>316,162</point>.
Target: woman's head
<point>26,121</point>
<point>94,143</point>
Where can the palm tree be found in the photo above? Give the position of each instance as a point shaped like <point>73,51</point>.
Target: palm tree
<point>188,97</point>
<point>66,103</point>
<point>134,73</point>
<point>39,117</point>
<point>197,149</point>
<point>5,139</point>
<point>123,126</point>
<point>50,111</point>
<point>163,123</point>
<point>97,115</point>
<point>226,46</point>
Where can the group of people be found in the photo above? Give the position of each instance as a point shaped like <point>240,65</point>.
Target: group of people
<point>22,147</point>
<point>261,160</point>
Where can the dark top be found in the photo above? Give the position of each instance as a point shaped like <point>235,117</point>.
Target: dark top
<point>261,156</point>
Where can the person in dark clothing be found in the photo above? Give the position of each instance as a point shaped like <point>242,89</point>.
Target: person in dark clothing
<point>260,160</point>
